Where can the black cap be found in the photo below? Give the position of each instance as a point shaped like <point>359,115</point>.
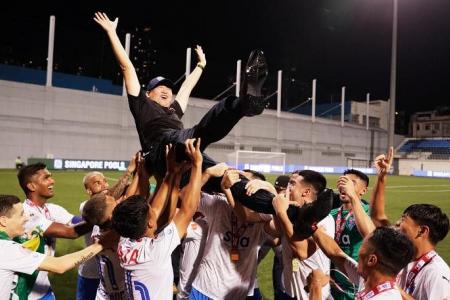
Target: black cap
<point>159,81</point>
<point>282,181</point>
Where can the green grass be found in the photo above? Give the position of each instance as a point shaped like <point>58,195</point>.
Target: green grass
<point>402,191</point>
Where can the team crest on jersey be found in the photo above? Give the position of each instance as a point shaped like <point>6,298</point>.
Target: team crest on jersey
<point>351,223</point>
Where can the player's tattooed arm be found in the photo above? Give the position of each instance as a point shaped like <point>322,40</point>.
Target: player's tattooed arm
<point>64,263</point>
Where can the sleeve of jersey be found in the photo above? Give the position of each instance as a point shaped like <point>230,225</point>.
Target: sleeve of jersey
<point>206,204</point>
<point>328,225</point>
<point>351,269</point>
<point>18,259</point>
<point>60,214</point>
<point>437,285</point>
<point>172,237</point>
<point>135,102</point>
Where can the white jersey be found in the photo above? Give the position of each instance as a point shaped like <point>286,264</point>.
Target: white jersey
<point>41,218</point>
<point>148,264</point>
<point>112,275</point>
<point>14,258</point>
<point>218,277</point>
<point>192,252</point>
<point>88,269</point>
<point>296,279</point>
<point>432,282</point>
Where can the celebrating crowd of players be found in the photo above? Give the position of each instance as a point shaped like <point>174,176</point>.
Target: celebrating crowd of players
<point>327,245</point>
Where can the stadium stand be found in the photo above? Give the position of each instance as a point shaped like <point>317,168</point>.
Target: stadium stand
<point>430,148</point>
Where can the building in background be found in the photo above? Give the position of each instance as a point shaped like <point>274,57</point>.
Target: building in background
<point>430,124</point>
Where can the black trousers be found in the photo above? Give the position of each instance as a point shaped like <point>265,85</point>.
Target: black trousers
<point>214,126</point>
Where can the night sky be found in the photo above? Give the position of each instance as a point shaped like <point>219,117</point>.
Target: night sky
<point>339,42</point>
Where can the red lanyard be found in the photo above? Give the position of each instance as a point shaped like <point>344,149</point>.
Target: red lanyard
<point>421,262</point>
<point>340,224</point>
<point>383,287</point>
<point>46,211</point>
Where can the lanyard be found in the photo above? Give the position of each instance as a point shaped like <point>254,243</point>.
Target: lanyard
<point>236,232</point>
<point>421,262</point>
<point>383,287</point>
<point>340,224</point>
<point>43,210</point>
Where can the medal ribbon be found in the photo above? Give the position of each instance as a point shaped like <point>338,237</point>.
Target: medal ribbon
<point>340,224</point>
<point>383,287</point>
<point>421,262</point>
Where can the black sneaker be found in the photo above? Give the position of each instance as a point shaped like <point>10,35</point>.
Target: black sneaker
<point>255,75</point>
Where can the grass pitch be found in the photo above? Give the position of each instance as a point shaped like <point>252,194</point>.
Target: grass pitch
<point>402,191</point>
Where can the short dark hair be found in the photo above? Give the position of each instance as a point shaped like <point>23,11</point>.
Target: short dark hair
<point>130,217</point>
<point>256,174</point>
<point>314,178</point>
<point>393,249</point>
<point>6,204</point>
<point>26,173</point>
<point>431,216</point>
<point>359,174</point>
<point>94,209</point>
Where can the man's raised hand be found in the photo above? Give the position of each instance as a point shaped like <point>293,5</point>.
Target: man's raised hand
<point>200,56</point>
<point>383,162</point>
<point>193,151</point>
<point>102,19</point>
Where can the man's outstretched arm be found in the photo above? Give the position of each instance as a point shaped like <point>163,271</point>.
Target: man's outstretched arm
<point>190,81</point>
<point>190,202</point>
<point>129,73</point>
<point>377,202</point>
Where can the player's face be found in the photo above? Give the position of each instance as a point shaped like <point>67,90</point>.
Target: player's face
<point>17,221</point>
<point>409,227</point>
<point>161,95</point>
<point>298,190</point>
<point>96,184</point>
<point>42,184</point>
<point>360,187</point>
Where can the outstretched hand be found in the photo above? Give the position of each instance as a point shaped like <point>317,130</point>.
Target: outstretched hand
<point>200,55</point>
<point>383,162</point>
<point>102,19</point>
<point>193,151</point>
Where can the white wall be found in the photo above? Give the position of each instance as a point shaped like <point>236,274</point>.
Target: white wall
<point>37,120</point>
<point>407,166</point>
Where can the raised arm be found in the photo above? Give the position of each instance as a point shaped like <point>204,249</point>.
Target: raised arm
<point>190,81</point>
<point>377,204</point>
<point>330,248</point>
<point>118,189</point>
<point>160,200</point>
<point>177,169</point>
<point>129,73</point>
<point>363,221</point>
<point>192,195</point>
